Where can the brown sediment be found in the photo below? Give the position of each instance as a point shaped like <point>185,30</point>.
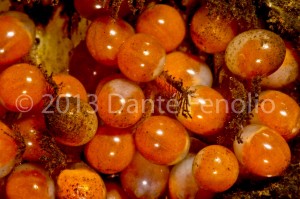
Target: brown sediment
<point>54,160</point>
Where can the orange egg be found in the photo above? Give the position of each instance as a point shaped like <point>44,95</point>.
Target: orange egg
<point>255,52</point>
<point>104,38</point>
<point>111,150</point>
<point>26,21</point>
<point>164,23</point>
<point>263,152</point>
<point>69,86</point>
<point>286,73</point>
<point>22,87</point>
<point>186,68</point>
<point>71,121</point>
<point>182,183</point>
<point>215,168</point>
<point>91,9</point>
<point>162,140</point>
<point>80,182</point>
<point>143,179</point>
<point>9,150</point>
<point>107,79</point>
<point>30,181</point>
<point>208,110</point>
<point>31,128</point>
<point>141,58</point>
<point>17,36</point>
<point>211,34</point>
<point>115,191</point>
<point>279,112</point>
<point>120,103</point>
<point>86,69</point>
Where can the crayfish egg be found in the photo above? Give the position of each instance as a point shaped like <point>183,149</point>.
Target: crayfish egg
<point>263,152</point>
<point>71,121</point>
<point>255,52</point>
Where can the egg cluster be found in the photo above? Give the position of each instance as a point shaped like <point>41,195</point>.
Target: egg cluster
<point>137,114</point>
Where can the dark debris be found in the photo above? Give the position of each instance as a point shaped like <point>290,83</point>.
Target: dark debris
<point>55,159</point>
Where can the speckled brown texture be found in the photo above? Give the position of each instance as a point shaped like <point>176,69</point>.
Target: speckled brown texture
<point>211,35</point>
<point>255,52</point>
<point>73,122</point>
<point>215,168</point>
<point>80,182</point>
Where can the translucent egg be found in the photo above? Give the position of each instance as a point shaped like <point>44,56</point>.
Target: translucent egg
<point>263,152</point>
<point>31,127</point>
<point>115,191</point>
<point>22,87</point>
<point>208,110</point>
<point>211,34</point>
<point>188,68</point>
<point>111,150</point>
<point>215,168</point>
<point>91,9</point>
<point>86,69</point>
<point>71,121</point>
<point>24,19</point>
<point>17,33</point>
<point>120,103</point>
<point>107,79</point>
<point>104,38</point>
<point>8,148</point>
<point>182,184</point>
<point>255,52</point>
<point>159,21</point>
<point>30,181</point>
<point>69,86</point>
<point>162,140</point>
<point>141,58</point>
<point>80,181</point>
<point>286,73</point>
<point>278,111</point>
<point>143,179</point>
